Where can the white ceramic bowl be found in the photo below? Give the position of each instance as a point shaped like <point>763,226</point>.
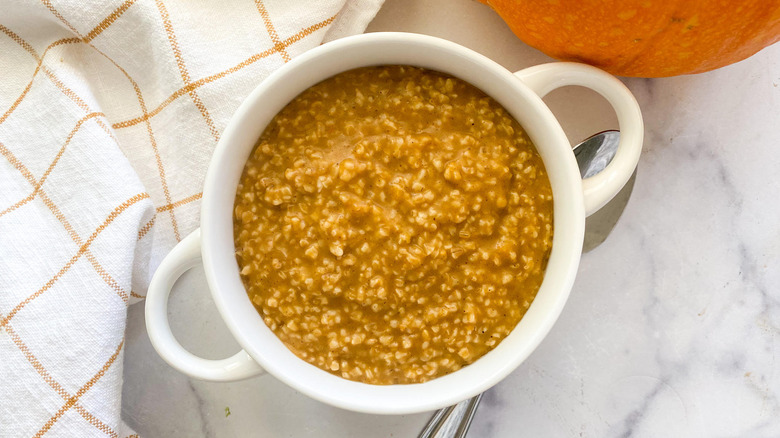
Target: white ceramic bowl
<point>519,93</point>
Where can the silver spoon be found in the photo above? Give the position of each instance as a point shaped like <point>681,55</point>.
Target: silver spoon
<point>593,155</point>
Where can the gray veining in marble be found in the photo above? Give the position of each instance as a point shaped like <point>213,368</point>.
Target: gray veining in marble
<point>673,325</point>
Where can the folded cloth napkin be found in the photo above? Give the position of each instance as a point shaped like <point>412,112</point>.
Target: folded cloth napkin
<point>109,112</point>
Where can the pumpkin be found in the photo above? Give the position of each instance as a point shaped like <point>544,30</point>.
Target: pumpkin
<point>646,38</point>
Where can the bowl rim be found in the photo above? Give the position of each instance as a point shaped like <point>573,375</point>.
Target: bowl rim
<point>267,99</point>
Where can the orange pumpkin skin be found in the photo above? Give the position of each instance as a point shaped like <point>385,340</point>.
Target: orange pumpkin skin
<point>645,38</point>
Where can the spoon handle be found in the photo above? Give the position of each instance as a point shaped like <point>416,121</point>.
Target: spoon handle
<point>453,421</point>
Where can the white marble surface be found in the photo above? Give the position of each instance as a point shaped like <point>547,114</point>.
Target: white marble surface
<point>673,325</point>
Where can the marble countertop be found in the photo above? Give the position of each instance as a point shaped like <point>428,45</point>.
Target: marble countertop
<point>673,325</point>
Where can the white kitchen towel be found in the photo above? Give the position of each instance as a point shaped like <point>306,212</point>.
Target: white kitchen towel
<point>109,113</point>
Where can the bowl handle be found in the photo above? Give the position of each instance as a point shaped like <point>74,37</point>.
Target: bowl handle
<point>602,187</point>
<point>182,258</point>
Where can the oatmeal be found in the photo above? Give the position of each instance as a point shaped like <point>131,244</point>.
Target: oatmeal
<point>393,224</point>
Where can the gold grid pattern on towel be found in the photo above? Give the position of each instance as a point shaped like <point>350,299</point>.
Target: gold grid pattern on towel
<point>167,205</point>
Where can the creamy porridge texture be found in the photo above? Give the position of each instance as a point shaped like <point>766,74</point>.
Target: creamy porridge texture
<point>393,224</point>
